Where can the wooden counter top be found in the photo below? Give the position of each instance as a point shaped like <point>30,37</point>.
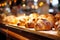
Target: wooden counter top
<point>17,36</point>
<point>48,34</point>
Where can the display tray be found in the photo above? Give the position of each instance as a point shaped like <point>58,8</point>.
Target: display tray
<point>50,34</point>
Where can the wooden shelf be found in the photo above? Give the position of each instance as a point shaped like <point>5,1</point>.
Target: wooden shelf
<point>49,34</point>
<point>13,34</point>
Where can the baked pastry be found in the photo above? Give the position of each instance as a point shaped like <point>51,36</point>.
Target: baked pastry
<point>2,16</point>
<point>57,25</point>
<point>57,21</point>
<point>30,25</point>
<point>22,20</point>
<point>32,20</point>
<point>57,17</point>
<point>48,17</point>
<point>10,20</point>
<point>33,15</point>
<point>45,22</point>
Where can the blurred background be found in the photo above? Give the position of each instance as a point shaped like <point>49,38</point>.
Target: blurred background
<point>29,6</point>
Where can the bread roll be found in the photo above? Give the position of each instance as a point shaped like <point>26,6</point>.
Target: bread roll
<point>43,25</point>
<point>22,20</point>
<point>30,23</point>
<point>57,17</point>
<point>32,20</point>
<point>45,22</point>
<point>10,20</point>
<point>57,25</point>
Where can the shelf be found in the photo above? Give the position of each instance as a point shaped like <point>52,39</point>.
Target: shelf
<point>49,34</point>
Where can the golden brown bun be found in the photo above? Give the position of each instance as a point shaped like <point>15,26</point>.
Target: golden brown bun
<point>10,20</point>
<point>45,22</point>
<point>2,16</point>
<point>21,23</point>
<point>57,21</point>
<point>57,17</point>
<point>57,25</point>
<point>30,25</point>
<point>48,17</point>
<point>32,20</point>
<point>22,20</point>
<point>34,15</point>
<point>42,25</point>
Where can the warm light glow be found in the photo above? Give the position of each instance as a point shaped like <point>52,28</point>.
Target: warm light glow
<point>23,0</point>
<point>33,15</point>
<point>36,7</point>
<point>21,17</point>
<point>10,3</point>
<point>35,0</point>
<point>32,6</point>
<point>0,5</point>
<point>14,1</point>
<point>24,5</point>
<point>3,4</point>
<point>50,1</point>
<point>41,4</point>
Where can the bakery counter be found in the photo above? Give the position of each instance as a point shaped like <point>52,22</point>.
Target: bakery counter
<point>12,35</point>
<point>29,34</point>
